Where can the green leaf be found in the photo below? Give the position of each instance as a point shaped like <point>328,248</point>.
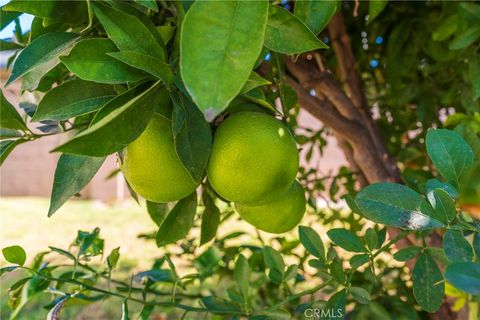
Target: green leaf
<point>464,276</point>
<point>210,219</point>
<point>336,305</point>
<point>426,289</point>
<point>446,28</point>
<point>192,136</point>
<point>359,260</point>
<point>7,146</point>
<point>465,39</point>
<point>287,34</point>
<point>312,242</point>
<point>72,174</point>
<point>253,82</point>
<point>150,4</point>
<point>54,313</point>
<point>10,118</point>
<point>112,258</point>
<point>347,240</point>
<point>371,238</point>
<point>475,76</point>
<point>476,244</point>
<point>41,51</point>
<point>88,60</point>
<point>72,98</point>
<point>178,222</point>
<point>360,294</point>
<point>7,269</point>
<point>456,248</point>
<point>406,254</point>
<point>128,32</point>
<point>124,310</point>
<point>15,255</point>
<point>433,184</point>
<point>375,7</point>
<point>149,64</point>
<point>450,154</point>
<point>274,261</point>
<point>337,272</point>
<point>242,276</point>
<point>396,205</point>
<point>63,253</point>
<point>227,37</point>
<point>122,122</point>
<point>157,212</point>
<point>315,14</point>
<point>6,17</point>
<point>9,45</point>
<point>443,205</point>
<point>71,12</point>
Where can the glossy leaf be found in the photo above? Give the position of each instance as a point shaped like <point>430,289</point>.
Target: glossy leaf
<point>287,34</point>
<point>157,212</point>
<point>112,258</point>
<point>72,174</point>
<point>54,313</point>
<point>227,37</point>
<point>274,261</point>
<point>242,276</point>
<point>88,60</point>
<point>361,295</point>
<point>128,32</point>
<point>336,305</point>
<point>7,146</point>
<point>359,260</point>
<point>450,154</point>
<point>125,310</point>
<point>433,184</point>
<point>10,118</point>
<point>406,254</point>
<point>117,128</point>
<point>396,205</point>
<point>464,276</point>
<point>465,39</point>
<point>150,4</point>
<point>347,240</point>
<point>254,81</point>
<point>375,7</point>
<point>443,205</point>
<point>15,255</point>
<point>71,99</point>
<point>72,12</point>
<point>456,247</point>
<point>371,238</point>
<point>192,136</point>
<point>475,76</point>
<point>42,50</point>
<point>178,222</point>
<point>210,219</point>
<point>7,17</point>
<point>315,14</point>
<point>426,289</point>
<point>312,242</point>
<point>147,63</point>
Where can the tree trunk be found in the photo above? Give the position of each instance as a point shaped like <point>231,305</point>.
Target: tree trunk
<point>343,107</point>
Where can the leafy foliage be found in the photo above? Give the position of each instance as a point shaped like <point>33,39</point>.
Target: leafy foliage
<point>102,69</point>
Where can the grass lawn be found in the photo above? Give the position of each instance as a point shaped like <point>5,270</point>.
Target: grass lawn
<point>24,222</point>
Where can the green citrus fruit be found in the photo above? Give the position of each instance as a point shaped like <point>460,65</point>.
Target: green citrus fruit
<point>254,158</point>
<point>152,167</point>
<point>279,215</point>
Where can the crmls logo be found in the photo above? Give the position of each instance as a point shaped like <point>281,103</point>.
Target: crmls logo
<point>313,313</point>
